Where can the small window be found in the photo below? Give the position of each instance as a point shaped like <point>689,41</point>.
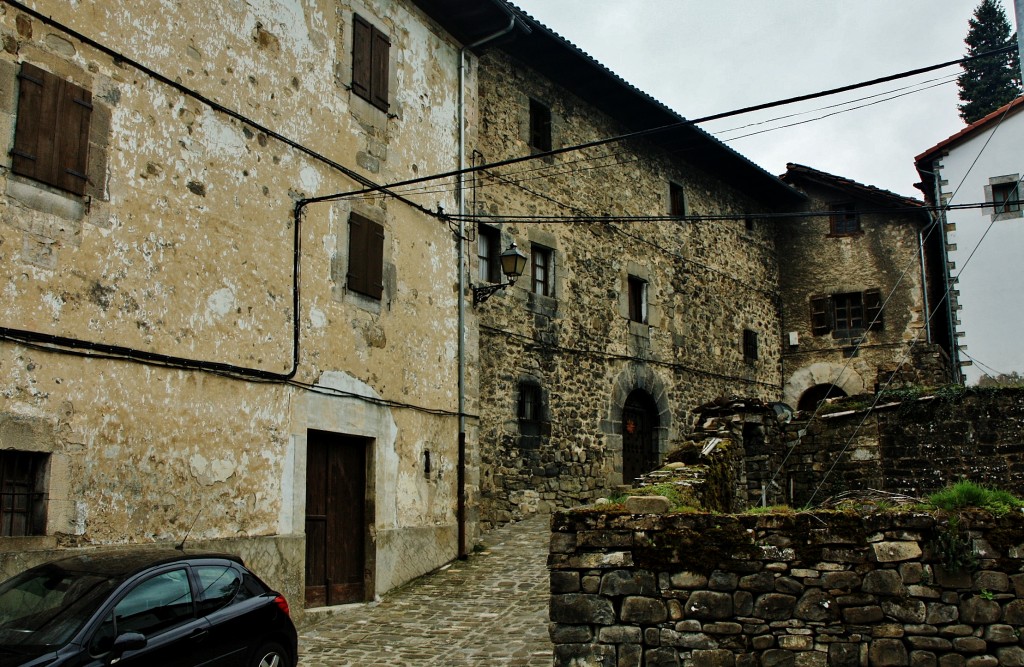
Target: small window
<point>543,270</point>
<point>370,62</point>
<point>489,253</point>
<point>844,219</point>
<point>218,587</point>
<point>848,313</point>
<point>637,299</point>
<point>530,411</point>
<point>676,200</point>
<point>540,127</point>
<point>750,224</point>
<point>749,346</point>
<point>365,256</point>
<point>51,138</point>
<point>22,497</point>
<point>1006,198</point>
<point>157,604</point>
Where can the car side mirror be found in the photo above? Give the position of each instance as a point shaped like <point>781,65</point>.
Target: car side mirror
<point>129,641</point>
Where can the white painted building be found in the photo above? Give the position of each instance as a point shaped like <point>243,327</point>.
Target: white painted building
<point>983,164</point>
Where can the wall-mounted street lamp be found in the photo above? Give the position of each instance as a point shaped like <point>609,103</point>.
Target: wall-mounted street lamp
<point>513,263</point>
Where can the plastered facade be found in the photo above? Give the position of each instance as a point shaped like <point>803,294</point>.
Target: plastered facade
<point>210,122</point>
<point>706,281</point>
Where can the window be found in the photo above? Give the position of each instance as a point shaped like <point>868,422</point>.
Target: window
<point>365,256</point>
<point>676,200</point>
<point>540,127</point>
<point>543,271</point>
<point>847,315</point>
<point>157,604</point>
<point>22,498</point>
<point>51,138</point>
<point>219,585</point>
<point>531,413</point>
<point>370,62</point>
<point>637,299</point>
<point>844,219</point>
<point>488,241</point>
<point>749,346</point>
<point>1004,194</point>
<point>750,224</point>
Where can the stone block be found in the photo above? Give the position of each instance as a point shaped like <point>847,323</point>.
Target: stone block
<point>952,660</point>
<point>894,552</point>
<point>709,605</point>
<point>938,613</point>
<point>1010,656</point>
<point>923,659</point>
<point>844,581</point>
<point>796,642</point>
<point>929,643</point>
<point>1000,633</point>
<point>1013,613</point>
<point>816,605</point>
<point>628,582</point>
<point>778,658</point>
<point>788,585</point>
<point>565,582</point>
<point>969,644</point>
<point>905,609</point>
<point>722,628</point>
<point>844,654</point>
<point>563,543</point>
<point>988,580</point>
<point>643,610</point>
<point>743,603</point>
<point>714,658</point>
<point>630,655</point>
<point>811,659</point>
<point>648,505</point>
<point>888,653</point>
<point>977,610</point>
<point>569,634</point>
<point>661,657</point>
<point>762,582</point>
<point>689,580</point>
<point>863,615</point>
<point>580,608</point>
<point>774,606</point>
<point>982,661</point>
<point>619,634</point>
<point>883,582</point>
<point>592,655</point>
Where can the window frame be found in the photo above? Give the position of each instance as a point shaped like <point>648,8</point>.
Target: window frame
<point>541,136</point>
<point>678,206</point>
<point>851,307</point>
<point>1000,190</point>
<point>23,477</point>
<point>488,252</point>
<point>636,290</point>
<point>371,62</point>
<point>530,413</point>
<point>542,270</point>
<point>844,219</point>
<point>749,346</point>
<point>52,130</point>
<point>365,273</point>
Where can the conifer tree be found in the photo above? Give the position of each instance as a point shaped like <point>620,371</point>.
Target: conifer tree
<point>988,83</point>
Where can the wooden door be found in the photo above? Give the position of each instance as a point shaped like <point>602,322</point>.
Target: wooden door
<point>335,519</point>
<point>639,449</point>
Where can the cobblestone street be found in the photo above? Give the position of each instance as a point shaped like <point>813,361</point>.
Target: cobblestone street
<point>491,609</point>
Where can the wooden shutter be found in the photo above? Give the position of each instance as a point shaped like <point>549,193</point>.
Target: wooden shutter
<point>873,317</point>
<point>365,257</point>
<point>51,138</point>
<point>821,317</point>
<point>362,72</point>
<point>379,59</point>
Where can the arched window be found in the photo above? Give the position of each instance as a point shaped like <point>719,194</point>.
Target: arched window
<point>639,447</point>
<point>809,399</point>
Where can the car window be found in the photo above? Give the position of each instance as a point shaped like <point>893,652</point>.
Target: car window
<point>219,585</point>
<point>47,605</point>
<point>158,603</point>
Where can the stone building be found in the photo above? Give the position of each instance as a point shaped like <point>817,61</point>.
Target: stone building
<point>863,302</point>
<point>194,344</point>
<point>652,285</point>
<point>975,176</point>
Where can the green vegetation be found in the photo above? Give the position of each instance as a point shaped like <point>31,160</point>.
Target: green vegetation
<point>681,497</point>
<point>970,494</point>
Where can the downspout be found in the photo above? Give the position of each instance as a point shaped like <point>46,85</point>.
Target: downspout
<point>924,283</point>
<point>947,279</point>
<point>461,474</point>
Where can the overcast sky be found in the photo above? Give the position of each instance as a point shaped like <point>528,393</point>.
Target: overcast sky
<point>701,58</point>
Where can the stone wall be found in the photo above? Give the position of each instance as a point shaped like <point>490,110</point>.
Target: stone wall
<point>706,281</point>
<point>803,590</point>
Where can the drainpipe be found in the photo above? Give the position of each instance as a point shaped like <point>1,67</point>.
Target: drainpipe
<point>924,283</point>
<point>947,280</point>
<point>461,474</point>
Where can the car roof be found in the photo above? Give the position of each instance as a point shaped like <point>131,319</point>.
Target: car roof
<point>122,563</point>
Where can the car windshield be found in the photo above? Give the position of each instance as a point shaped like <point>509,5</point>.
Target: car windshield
<point>47,605</point>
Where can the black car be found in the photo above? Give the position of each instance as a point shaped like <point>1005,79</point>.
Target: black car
<point>144,607</point>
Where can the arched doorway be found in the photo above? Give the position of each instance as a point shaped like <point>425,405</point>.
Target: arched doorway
<point>639,447</point>
<point>809,399</point>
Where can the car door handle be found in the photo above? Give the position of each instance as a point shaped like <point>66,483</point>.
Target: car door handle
<point>198,634</point>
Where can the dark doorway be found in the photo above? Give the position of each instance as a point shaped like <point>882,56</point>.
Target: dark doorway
<point>639,448</point>
<point>809,399</point>
<point>335,519</point>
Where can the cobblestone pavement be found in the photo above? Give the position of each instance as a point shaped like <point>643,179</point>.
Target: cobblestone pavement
<point>490,609</point>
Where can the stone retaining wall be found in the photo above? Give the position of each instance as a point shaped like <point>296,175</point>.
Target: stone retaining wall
<point>808,589</point>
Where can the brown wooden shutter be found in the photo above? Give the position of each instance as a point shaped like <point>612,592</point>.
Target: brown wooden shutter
<point>362,46</point>
<point>380,60</point>
<point>365,257</point>
<point>821,317</point>
<point>51,138</point>
<point>873,317</point>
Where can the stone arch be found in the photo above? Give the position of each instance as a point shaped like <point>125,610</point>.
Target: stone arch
<point>634,377</point>
<point>845,378</point>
